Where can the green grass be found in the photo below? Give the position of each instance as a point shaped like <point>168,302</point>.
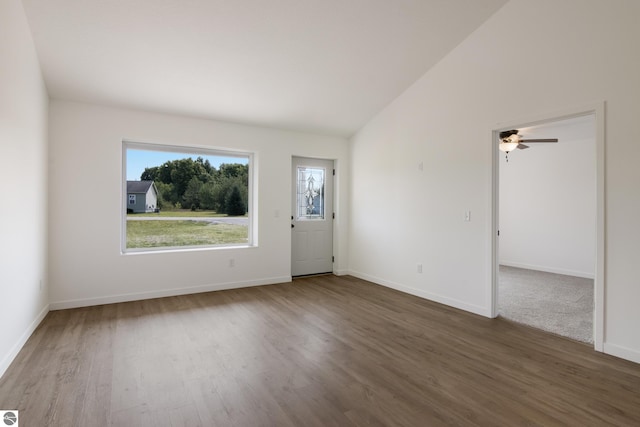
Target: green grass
<point>157,234</point>
<point>181,213</point>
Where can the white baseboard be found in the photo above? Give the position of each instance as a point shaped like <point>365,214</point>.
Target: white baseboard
<point>548,269</point>
<point>482,311</point>
<point>8,358</point>
<point>343,272</point>
<point>111,299</point>
<point>622,352</point>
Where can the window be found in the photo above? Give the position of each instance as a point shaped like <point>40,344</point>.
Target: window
<point>310,193</point>
<point>179,197</point>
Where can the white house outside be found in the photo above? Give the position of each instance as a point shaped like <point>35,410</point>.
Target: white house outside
<point>142,196</point>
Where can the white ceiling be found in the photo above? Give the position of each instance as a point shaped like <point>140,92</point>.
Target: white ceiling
<point>323,66</point>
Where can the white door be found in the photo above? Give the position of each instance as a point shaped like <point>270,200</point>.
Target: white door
<point>312,216</point>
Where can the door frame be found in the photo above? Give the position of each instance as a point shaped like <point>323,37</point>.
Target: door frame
<point>598,110</point>
<point>334,213</point>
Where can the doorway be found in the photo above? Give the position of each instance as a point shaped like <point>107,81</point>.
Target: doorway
<point>311,216</point>
<point>529,248</point>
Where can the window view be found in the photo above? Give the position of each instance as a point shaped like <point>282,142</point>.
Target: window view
<point>178,197</point>
<point>310,193</point>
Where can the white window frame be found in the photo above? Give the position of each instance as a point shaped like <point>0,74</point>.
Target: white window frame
<point>191,150</point>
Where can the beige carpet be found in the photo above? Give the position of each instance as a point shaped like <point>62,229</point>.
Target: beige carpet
<point>555,303</point>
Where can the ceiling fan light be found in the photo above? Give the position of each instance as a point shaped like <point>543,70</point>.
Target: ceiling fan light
<point>507,146</point>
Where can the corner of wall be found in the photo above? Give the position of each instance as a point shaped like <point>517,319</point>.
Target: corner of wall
<point>17,346</point>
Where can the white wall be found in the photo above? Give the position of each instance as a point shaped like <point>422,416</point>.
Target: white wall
<point>531,58</point>
<point>548,201</point>
<point>86,266</point>
<point>23,190</point>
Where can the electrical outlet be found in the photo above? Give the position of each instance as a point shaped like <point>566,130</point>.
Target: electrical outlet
<point>420,268</point>
<point>40,284</point>
<point>232,262</point>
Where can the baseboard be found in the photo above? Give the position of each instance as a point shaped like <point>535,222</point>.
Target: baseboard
<point>8,358</point>
<point>341,272</point>
<point>622,352</point>
<point>548,269</point>
<point>111,299</point>
<point>482,311</point>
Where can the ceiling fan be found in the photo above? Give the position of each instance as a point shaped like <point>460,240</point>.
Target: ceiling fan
<point>510,140</point>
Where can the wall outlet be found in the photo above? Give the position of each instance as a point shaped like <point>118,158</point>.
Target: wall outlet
<point>40,284</point>
<point>232,262</point>
<point>419,268</point>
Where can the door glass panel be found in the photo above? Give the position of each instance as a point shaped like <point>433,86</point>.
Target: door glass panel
<point>310,193</point>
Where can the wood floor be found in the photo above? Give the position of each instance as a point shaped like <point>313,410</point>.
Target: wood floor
<point>316,352</point>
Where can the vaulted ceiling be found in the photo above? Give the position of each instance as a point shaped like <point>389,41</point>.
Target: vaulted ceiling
<point>324,66</point>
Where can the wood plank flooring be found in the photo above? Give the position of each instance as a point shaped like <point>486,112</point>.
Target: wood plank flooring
<point>319,351</point>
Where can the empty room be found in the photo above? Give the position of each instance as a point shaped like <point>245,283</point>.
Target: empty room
<point>547,228</point>
<point>288,212</point>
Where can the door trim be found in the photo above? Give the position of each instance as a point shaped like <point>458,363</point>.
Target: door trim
<point>598,110</point>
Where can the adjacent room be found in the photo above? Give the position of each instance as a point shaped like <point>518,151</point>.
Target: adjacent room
<point>548,228</point>
<point>287,213</point>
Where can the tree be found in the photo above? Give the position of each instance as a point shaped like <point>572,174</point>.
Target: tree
<point>235,170</point>
<point>205,170</point>
<point>182,172</point>
<point>164,172</point>
<point>234,203</point>
<point>165,195</point>
<point>150,174</point>
<point>208,196</point>
<point>196,183</point>
<point>191,197</point>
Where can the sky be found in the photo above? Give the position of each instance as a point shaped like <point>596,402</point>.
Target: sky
<point>138,160</point>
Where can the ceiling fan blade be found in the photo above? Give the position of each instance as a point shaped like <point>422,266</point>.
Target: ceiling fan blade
<point>521,146</point>
<point>540,140</point>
